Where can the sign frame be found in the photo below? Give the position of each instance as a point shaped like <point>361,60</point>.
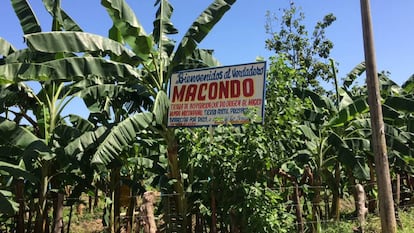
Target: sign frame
<point>217,95</point>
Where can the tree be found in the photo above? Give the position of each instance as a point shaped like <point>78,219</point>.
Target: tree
<point>151,60</point>
<point>161,62</point>
<point>227,170</point>
<point>301,61</point>
<point>61,75</point>
<point>307,54</point>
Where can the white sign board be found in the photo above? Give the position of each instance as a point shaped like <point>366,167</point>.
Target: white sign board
<point>220,95</point>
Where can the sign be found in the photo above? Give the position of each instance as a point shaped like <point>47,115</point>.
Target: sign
<point>220,95</point>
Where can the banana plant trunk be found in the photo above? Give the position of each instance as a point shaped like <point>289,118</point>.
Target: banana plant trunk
<point>336,203</point>
<point>115,207</point>
<point>131,211</point>
<point>372,200</point>
<point>298,209</point>
<point>316,200</point>
<point>175,174</point>
<point>41,215</point>
<point>58,213</point>
<point>296,198</point>
<point>20,200</point>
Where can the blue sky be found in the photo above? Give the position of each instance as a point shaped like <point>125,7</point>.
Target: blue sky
<point>239,37</point>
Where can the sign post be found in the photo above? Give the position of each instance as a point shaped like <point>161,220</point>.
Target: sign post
<point>215,96</point>
<point>386,202</point>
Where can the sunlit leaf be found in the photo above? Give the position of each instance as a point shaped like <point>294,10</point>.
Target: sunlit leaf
<point>87,141</point>
<point>72,68</point>
<point>78,42</point>
<point>27,18</point>
<point>60,16</point>
<point>161,106</point>
<point>200,28</point>
<point>5,47</point>
<point>163,27</point>
<point>408,85</point>
<point>121,135</point>
<point>359,106</point>
<point>129,27</point>
<point>354,74</point>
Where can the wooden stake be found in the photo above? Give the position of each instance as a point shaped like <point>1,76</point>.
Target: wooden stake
<point>386,203</point>
<point>213,197</point>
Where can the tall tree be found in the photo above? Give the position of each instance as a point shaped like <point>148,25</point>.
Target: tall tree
<point>307,53</point>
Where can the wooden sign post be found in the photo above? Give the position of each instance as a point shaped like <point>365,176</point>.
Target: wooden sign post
<point>386,203</point>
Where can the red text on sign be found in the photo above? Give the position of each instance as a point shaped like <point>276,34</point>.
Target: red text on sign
<point>214,90</point>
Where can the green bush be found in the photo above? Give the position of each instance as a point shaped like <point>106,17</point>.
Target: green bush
<point>266,211</point>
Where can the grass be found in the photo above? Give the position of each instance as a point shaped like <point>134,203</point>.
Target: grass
<point>92,223</point>
<point>86,221</point>
<point>373,224</point>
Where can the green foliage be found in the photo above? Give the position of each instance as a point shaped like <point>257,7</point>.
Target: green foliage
<point>76,42</point>
<point>123,83</point>
<point>266,210</point>
<point>120,136</point>
<point>8,206</point>
<point>283,109</point>
<point>27,18</point>
<point>128,27</point>
<point>5,47</point>
<point>307,54</point>
<point>338,227</point>
<point>61,20</point>
<point>233,163</point>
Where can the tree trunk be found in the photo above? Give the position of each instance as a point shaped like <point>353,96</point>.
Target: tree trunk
<point>316,200</point>
<point>296,201</point>
<point>30,218</point>
<point>397,197</point>
<point>213,207</point>
<point>360,203</point>
<point>115,186</point>
<point>70,217</point>
<point>58,213</point>
<point>147,213</point>
<point>90,204</point>
<point>234,223</point>
<point>130,213</point>
<point>372,201</point>
<point>336,200</point>
<point>199,222</point>
<point>96,198</point>
<point>20,200</point>
<point>41,212</point>
<point>397,189</point>
<point>352,183</point>
<point>175,173</point>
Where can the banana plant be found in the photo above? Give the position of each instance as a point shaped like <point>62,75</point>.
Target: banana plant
<point>330,148</point>
<point>155,59</point>
<point>397,115</point>
<point>397,112</point>
<point>151,60</point>
<point>323,151</point>
<point>159,60</point>
<point>60,75</point>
